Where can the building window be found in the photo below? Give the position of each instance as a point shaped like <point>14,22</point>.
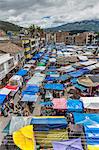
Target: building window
<point>10,63</point>
<point>1,68</point>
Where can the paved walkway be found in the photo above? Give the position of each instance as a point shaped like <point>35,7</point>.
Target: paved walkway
<point>37,109</point>
<point>3,123</point>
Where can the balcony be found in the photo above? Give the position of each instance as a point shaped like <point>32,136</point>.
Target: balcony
<point>27,49</point>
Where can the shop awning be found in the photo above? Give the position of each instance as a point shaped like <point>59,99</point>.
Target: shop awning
<point>54,86</point>
<point>87,63</point>
<point>93,147</point>
<point>90,102</point>
<point>80,87</point>
<point>85,81</point>
<point>59,103</point>
<point>16,77</point>
<point>74,105</point>
<point>83,118</point>
<point>5,91</point>
<point>91,126</point>
<point>22,72</point>
<point>2,98</point>
<point>28,93</point>
<point>32,88</point>
<point>12,88</point>
<point>64,77</point>
<point>29,98</point>
<point>48,103</point>
<point>50,120</point>
<point>73,144</point>
<point>24,138</point>
<point>42,68</point>
<point>76,74</point>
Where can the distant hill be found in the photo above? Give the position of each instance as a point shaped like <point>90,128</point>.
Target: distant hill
<point>7,26</point>
<point>87,25</point>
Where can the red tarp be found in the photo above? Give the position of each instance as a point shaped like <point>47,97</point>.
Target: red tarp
<point>12,88</point>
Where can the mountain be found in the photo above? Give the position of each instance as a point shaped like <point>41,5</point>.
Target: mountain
<point>7,26</point>
<point>87,25</point>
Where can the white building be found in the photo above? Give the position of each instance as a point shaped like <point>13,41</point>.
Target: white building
<point>11,57</point>
<point>6,65</point>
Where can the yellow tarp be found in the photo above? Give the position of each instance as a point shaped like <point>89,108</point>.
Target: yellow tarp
<point>45,138</point>
<point>24,138</point>
<point>92,147</point>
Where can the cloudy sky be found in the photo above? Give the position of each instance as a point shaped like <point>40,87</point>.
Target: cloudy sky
<point>48,13</point>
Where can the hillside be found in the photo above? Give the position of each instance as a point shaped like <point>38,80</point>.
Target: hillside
<point>7,26</point>
<point>87,25</point>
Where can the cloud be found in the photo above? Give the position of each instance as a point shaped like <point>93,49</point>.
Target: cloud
<point>47,13</point>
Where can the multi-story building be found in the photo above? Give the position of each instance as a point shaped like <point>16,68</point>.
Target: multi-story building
<point>11,59</point>
<point>61,36</point>
<point>6,65</point>
<point>70,40</point>
<point>80,39</point>
<point>14,50</point>
<point>42,39</point>
<point>27,47</point>
<point>90,38</point>
<point>32,45</point>
<point>50,37</point>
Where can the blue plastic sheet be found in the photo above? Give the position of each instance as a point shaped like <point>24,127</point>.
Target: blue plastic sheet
<point>64,77</point>
<point>49,103</point>
<point>22,72</point>
<point>54,86</point>
<point>2,98</point>
<point>74,80</point>
<point>50,121</point>
<point>29,98</point>
<point>91,126</point>
<point>32,88</point>
<point>74,105</point>
<point>80,87</point>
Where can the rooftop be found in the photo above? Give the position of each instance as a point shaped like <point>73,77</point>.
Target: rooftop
<point>9,47</point>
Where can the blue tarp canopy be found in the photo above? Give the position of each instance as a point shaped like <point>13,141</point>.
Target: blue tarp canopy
<point>49,121</point>
<point>76,74</point>
<point>51,72</point>
<point>52,67</point>
<point>91,126</point>
<point>74,80</point>
<point>84,70</point>
<point>2,98</point>
<point>22,72</point>
<point>54,86</point>
<point>92,135</point>
<point>85,119</point>
<point>49,103</point>
<point>74,105</point>
<point>28,93</point>
<point>33,88</point>
<point>80,87</point>
<point>37,56</point>
<point>43,60</point>
<point>64,77</point>
<point>48,78</point>
<point>29,98</point>
<point>46,58</point>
